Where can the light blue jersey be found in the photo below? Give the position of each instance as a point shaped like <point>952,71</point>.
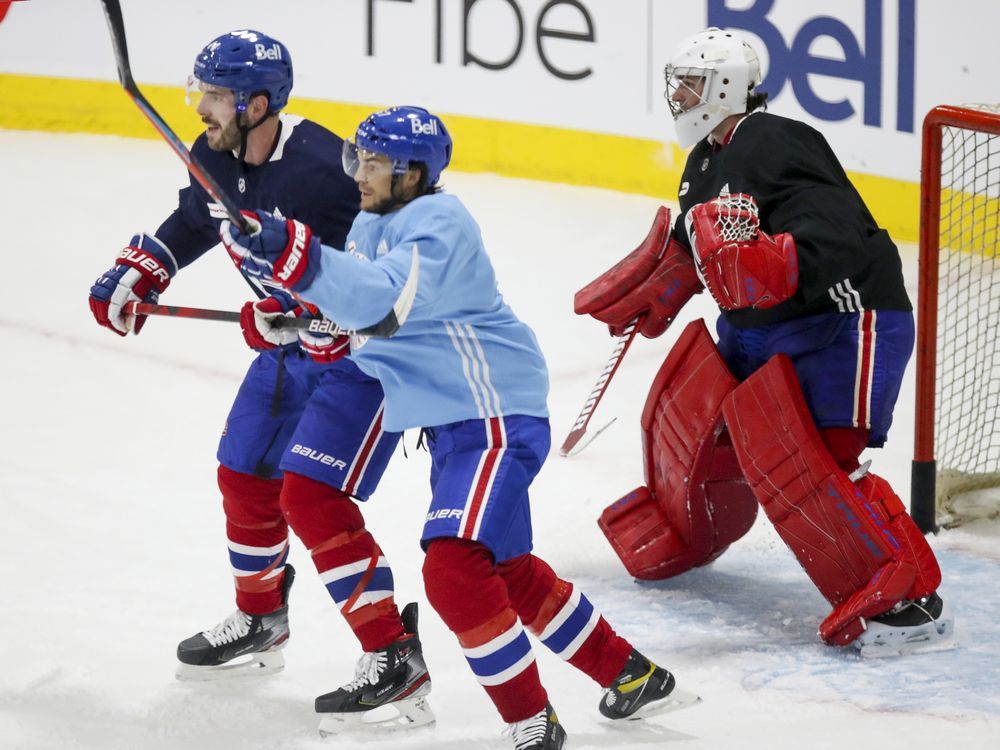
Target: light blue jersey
<point>462,353</point>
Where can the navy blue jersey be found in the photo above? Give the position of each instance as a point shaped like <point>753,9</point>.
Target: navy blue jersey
<point>302,179</point>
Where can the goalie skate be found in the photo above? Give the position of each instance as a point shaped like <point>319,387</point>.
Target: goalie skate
<point>910,627</point>
<point>239,646</point>
<point>389,690</point>
<point>643,689</point>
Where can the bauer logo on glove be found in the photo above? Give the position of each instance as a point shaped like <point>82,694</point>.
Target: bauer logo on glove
<point>740,265</point>
<point>282,249</point>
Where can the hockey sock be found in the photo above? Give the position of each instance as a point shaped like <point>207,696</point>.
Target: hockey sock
<point>563,619</point>
<point>258,539</point>
<point>349,561</point>
<point>845,445</point>
<point>464,588</point>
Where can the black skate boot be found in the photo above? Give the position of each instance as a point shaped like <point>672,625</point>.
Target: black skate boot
<point>541,732</point>
<point>240,645</point>
<point>389,688</point>
<point>912,625</point>
<point>642,689</point>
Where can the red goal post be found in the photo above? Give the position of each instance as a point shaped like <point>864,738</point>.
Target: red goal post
<point>957,438</point>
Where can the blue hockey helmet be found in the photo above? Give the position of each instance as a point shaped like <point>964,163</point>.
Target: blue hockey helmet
<point>405,135</point>
<point>249,63</point>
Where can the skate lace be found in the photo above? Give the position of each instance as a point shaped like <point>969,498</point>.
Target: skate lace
<point>528,732</point>
<point>368,670</point>
<point>232,628</point>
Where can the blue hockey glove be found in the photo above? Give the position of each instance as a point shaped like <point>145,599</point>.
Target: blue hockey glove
<point>142,273</point>
<point>282,249</point>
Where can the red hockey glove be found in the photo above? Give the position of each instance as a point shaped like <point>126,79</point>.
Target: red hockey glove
<point>141,274</point>
<point>654,280</point>
<point>323,347</point>
<point>741,265</point>
<point>257,321</point>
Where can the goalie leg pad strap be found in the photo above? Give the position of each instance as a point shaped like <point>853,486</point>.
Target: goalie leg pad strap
<point>845,542</point>
<point>695,501</point>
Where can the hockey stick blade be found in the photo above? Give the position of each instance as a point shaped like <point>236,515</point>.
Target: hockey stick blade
<point>583,419</point>
<point>116,25</point>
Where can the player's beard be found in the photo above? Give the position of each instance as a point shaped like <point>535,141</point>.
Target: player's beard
<point>390,203</point>
<point>227,138</point>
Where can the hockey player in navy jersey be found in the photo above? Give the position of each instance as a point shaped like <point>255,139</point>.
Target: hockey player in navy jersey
<point>814,335</point>
<point>464,368</point>
<point>305,434</point>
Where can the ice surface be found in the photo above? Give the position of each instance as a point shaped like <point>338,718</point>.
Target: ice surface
<point>115,536</point>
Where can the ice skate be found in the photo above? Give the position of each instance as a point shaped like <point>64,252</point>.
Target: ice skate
<point>540,732</point>
<point>240,645</point>
<point>643,689</point>
<point>388,691</point>
<point>911,626</point>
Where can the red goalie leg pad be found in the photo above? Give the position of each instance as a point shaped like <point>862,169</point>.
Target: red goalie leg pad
<point>563,619</point>
<point>258,538</point>
<point>695,502</point>
<point>839,538</point>
<point>471,598</point>
<point>349,561</point>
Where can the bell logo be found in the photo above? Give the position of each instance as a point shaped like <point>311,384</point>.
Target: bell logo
<point>267,53</point>
<point>423,128</point>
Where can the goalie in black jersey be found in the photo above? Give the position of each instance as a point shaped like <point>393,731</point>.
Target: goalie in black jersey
<point>814,335</point>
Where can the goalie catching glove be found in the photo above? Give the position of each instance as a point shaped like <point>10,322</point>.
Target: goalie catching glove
<point>142,273</point>
<point>654,281</point>
<point>740,265</point>
<point>284,250</point>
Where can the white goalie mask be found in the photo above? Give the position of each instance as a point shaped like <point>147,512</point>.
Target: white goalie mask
<point>708,80</point>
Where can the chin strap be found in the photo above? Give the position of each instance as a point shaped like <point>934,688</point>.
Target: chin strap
<point>245,131</point>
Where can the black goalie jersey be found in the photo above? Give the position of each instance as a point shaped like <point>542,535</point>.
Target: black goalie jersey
<point>846,262</point>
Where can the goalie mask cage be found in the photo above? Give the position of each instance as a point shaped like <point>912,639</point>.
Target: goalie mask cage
<point>957,441</point>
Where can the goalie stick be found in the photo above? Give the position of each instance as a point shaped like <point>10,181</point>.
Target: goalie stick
<point>116,25</point>
<point>580,426</point>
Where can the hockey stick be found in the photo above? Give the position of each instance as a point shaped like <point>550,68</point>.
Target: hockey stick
<point>113,12</point>
<point>580,426</point>
<point>384,329</point>
<point>116,25</point>
<point>314,325</point>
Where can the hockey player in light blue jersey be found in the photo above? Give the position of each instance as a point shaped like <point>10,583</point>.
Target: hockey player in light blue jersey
<point>464,368</point>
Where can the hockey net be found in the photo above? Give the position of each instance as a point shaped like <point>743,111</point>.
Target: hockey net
<point>957,445</point>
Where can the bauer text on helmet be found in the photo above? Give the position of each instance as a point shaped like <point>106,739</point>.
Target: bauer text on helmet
<point>709,79</point>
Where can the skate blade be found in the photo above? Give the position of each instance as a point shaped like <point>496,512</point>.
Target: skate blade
<point>879,643</point>
<point>398,715</point>
<point>253,665</point>
<point>677,700</point>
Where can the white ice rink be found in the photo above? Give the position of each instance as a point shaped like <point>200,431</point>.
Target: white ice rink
<point>114,538</point>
